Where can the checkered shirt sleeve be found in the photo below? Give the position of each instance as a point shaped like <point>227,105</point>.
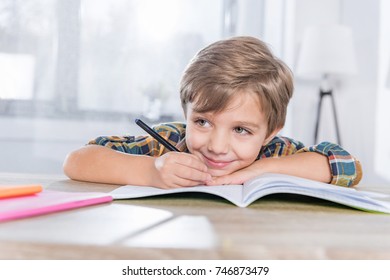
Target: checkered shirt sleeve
<point>346,169</point>
<point>146,144</point>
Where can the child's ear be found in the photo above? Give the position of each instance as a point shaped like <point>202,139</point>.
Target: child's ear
<point>271,136</point>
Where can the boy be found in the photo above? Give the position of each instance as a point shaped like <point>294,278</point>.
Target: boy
<point>234,95</point>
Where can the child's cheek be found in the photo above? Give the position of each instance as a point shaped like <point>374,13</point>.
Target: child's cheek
<point>194,142</point>
<point>247,153</point>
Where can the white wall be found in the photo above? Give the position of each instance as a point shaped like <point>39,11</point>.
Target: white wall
<point>382,153</point>
<point>361,91</point>
<point>356,96</point>
<point>304,104</point>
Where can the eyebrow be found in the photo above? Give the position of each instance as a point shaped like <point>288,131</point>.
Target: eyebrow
<point>247,124</point>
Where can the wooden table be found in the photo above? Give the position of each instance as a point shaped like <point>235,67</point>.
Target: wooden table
<point>197,226</point>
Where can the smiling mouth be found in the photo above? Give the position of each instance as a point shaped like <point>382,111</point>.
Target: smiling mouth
<point>218,164</point>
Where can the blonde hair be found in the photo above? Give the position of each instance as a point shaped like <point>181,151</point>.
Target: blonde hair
<point>235,65</point>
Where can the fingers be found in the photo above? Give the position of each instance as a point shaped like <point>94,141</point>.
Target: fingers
<point>190,161</point>
<point>181,182</point>
<point>223,180</point>
<point>189,173</point>
<point>185,175</point>
<point>236,178</point>
<point>181,170</point>
<point>173,158</point>
<point>177,180</point>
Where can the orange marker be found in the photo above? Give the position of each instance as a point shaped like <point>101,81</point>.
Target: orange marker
<point>20,190</point>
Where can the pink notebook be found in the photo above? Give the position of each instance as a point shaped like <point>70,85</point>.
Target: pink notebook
<point>47,201</point>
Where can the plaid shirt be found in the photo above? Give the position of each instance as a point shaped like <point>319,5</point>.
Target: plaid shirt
<point>346,170</point>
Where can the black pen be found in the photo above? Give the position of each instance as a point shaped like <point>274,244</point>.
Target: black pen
<point>155,135</point>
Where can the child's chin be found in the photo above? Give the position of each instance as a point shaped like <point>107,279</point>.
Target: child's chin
<point>219,172</point>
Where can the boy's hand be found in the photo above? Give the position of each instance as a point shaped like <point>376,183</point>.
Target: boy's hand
<point>177,170</point>
<point>235,178</point>
<point>240,176</point>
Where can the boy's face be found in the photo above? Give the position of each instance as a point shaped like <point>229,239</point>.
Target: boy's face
<point>229,140</point>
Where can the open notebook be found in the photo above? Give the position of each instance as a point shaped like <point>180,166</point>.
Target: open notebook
<point>243,195</point>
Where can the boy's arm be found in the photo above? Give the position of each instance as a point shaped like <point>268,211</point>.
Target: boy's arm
<point>141,160</point>
<point>99,164</point>
<point>310,165</point>
<point>346,170</point>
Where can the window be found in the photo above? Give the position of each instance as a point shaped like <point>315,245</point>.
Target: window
<point>71,70</point>
<point>74,56</point>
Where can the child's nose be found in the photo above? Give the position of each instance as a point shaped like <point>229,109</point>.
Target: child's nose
<point>218,143</point>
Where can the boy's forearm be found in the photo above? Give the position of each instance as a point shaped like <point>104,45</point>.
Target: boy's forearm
<point>309,165</point>
<point>103,165</point>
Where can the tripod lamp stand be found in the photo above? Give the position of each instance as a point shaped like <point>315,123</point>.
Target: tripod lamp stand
<point>327,52</point>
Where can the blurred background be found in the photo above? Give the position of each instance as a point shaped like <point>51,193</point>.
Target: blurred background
<point>71,70</point>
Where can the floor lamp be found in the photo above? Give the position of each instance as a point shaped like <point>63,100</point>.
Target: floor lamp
<point>327,52</point>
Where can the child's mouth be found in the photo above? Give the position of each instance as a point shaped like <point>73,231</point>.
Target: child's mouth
<point>216,164</point>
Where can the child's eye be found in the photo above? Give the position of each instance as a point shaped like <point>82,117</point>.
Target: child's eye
<point>241,130</point>
<point>202,122</point>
